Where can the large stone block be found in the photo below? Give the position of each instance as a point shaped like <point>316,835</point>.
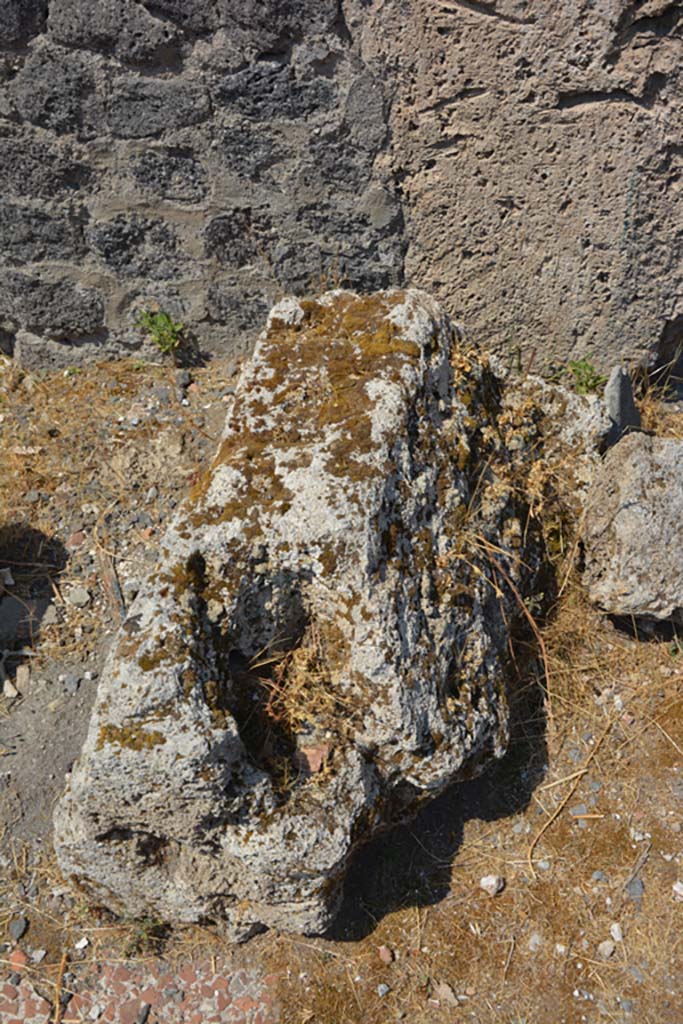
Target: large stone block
<point>537,145</point>
<point>323,643</point>
<point>633,531</point>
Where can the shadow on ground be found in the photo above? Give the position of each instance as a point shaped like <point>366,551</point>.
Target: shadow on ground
<point>29,564</point>
<point>412,863</point>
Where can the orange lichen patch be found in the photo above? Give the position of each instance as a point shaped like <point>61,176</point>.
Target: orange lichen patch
<point>132,737</point>
<point>316,372</point>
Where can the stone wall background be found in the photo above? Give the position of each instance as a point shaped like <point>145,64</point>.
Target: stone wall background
<point>520,160</point>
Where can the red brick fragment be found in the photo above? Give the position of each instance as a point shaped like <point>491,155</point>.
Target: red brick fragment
<point>18,959</point>
<point>311,760</point>
<point>245,1003</point>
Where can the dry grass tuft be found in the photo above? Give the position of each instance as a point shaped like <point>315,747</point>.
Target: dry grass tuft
<point>302,685</point>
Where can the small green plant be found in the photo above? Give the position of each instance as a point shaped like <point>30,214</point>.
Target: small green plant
<point>587,379</point>
<point>146,937</point>
<point>165,332</point>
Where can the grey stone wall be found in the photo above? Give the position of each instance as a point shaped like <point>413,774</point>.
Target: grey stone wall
<point>202,157</point>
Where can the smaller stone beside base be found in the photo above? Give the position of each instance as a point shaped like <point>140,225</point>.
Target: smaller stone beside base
<point>633,531</point>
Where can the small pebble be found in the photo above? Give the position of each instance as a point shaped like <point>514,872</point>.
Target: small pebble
<point>616,932</point>
<point>50,618</point>
<point>606,949</point>
<point>38,955</point>
<point>678,890</point>
<point>32,497</point>
<point>383,990</point>
<point>635,889</point>
<point>143,1013</point>
<point>17,928</point>
<point>535,942</point>
<point>9,690</point>
<point>385,954</point>
<point>71,684</point>
<point>599,876</point>
<point>492,884</point>
<point>79,597</point>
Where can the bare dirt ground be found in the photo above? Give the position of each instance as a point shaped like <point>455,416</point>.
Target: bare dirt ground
<point>583,819</point>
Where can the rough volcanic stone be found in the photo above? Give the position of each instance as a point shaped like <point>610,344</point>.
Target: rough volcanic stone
<point>171,174</point>
<point>270,26</point>
<point>237,309</point>
<point>139,107</point>
<point>21,19</point>
<point>321,587</point>
<point>137,246</point>
<point>28,234</point>
<point>58,309</point>
<point>120,27</point>
<point>238,237</point>
<point>633,531</point>
<point>269,91</point>
<point>250,151</point>
<point>194,15</point>
<point>55,89</point>
<point>38,352</point>
<point>31,168</point>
